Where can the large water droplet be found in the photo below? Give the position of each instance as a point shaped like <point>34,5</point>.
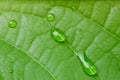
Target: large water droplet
<point>74,8</point>
<point>57,35</point>
<point>12,24</point>
<point>50,17</point>
<point>87,64</point>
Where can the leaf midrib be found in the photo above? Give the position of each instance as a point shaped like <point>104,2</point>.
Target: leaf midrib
<point>103,29</point>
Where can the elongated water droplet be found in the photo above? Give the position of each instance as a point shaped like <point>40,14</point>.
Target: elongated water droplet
<point>50,17</point>
<point>12,24</point>
<point>57,35</point>
<point>87,64</point>
<point>74,8</point>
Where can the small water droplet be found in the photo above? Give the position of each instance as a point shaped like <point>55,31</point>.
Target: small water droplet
<point>11,71</point>
<point>57,35</point>
<point>88,65</point>
<point>19,72</point>
<point>50,17</point>
<point>12,23</point>
<point>74,8</point>
<point>11,60</point>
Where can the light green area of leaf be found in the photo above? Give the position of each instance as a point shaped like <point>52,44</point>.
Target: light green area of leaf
<point>93,28</point>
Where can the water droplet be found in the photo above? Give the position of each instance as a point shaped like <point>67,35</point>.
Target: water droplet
<point>11,71</point>
<point>50,17</point>
<point>88,65</point>
<point>74,8</point>
<point>57,35</point>
<point>19,72</point>
<point>11,60</point>
<point>12,24</point>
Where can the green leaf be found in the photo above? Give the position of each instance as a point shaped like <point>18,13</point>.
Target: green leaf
<point>28,52</point>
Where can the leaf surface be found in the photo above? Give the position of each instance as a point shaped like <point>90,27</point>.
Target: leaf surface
<point>93,28</point>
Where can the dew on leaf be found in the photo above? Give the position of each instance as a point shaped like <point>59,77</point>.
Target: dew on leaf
<point>11,60</point>
<point>57,35</point>
<point>74,8</point>
<point>11,71</point>
<point>87,64</point>
<point>12,23</point>
<point>50,17</point>
<point>19,72</point>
